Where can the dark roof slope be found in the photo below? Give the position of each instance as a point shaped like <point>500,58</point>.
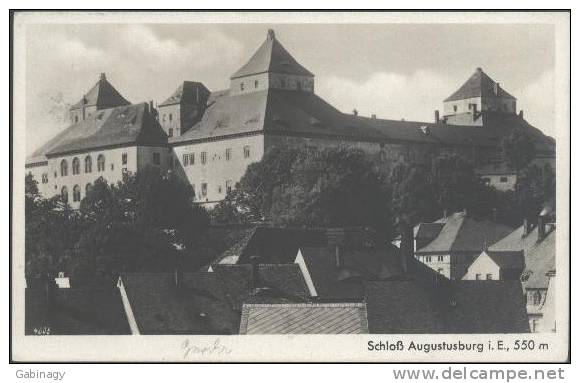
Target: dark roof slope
<point>463,233</point>
<point>540,260</point>
<point>478,85</point>
<point>189,92</point>
<point>406,307</point>
<point>75,312</point>
<point>196,305</point>
<point>508,260</point>
<point>271,57</point>
<point>125,125</point>
<point>103,95</point>
<point>271,245</point>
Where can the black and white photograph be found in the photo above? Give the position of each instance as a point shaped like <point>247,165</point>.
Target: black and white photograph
<point>273,186</point>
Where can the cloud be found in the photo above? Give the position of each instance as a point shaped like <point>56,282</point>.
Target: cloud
<point>537,99</point>
<point>389,95</point>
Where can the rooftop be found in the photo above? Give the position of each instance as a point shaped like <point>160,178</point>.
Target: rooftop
<point>271,57</point>
<point>479,85</point>
<point>304,318</point>
<point>103,95</point>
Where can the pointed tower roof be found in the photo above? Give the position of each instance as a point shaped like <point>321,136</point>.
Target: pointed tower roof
<point>479,85</point>
<point>102,95</point>
<point>188,92</point>
<point>271,57</point>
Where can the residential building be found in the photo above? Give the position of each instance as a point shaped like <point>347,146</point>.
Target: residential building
<point>210,137</point>
<point>491,265</point>
<point>460,240</point>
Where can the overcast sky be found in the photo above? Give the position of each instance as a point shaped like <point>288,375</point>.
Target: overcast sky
<point>391,70</point>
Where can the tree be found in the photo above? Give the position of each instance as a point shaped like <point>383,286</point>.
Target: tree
<point>518,149</point>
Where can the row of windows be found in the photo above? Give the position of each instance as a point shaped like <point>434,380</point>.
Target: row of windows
<point>76,165</point>
<point>256,85</point>
<point>76,192</point>
<point>188,159</point>
<point>219,189</point>
<point>488,277</point>
<point>428,258</point>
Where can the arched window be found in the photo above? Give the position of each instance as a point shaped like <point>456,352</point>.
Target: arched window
<point>63,168</point>
<point>101,163</point>
<point>88,164</point>
<point>76,166</point>
<point>88,188</point>
<point>64,194</point>
<point>76,193</point>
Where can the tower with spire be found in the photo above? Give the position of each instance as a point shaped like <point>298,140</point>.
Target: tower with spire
<point>271,67</point>
<point>478,95</point>
<point>102,95</point>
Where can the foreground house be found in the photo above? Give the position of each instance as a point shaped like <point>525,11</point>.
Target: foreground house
<point>210,137</point>
<point>492,265</point>
<point>459,241</point>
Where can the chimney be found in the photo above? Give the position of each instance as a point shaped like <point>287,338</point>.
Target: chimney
<point>271,34</point>
<point>496,88</point>
<point>541,227</point>
<point>436,116</point>
<point>526,227</point>
<point>355,112</point>
<point>337,257</point>
<point>103,77</point>
<point>406,249</point>
<point>521,114</point>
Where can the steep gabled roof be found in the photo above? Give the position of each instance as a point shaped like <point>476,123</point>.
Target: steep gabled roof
<point>478,85</point>
<point>189,92</point>
<point>124,125</point>
<point>75,312</point>
<point>271,57</point>
<point>103,95</point>
<point>463,233</point>
<point>304,318</point>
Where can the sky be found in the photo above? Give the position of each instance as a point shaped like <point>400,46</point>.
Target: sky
<point>395,71</point>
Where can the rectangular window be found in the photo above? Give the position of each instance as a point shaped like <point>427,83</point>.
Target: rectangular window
<point>124,158</point>
<point>156,159</point>
<point>203,158</point>
<point>246,152</point>
<point>488,277</point>
<point>192,158</point>
<point>203,190</point>
<point>440,258</point>
<point>219,189</point>
<point>228,154</point>
<point>185,160</point>
<point>428,258</point>
<point>256,83</point>
<point>242,86</point>
<point>502,179</point>
<point>477,277</point>
<point>229,184</point>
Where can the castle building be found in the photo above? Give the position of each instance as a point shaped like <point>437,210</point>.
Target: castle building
<point>210,137</point>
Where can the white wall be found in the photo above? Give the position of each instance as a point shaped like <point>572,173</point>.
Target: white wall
<point>482,265</point>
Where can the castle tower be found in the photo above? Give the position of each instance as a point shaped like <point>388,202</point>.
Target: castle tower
<point>184,108</point>
<point>102,95</point>
<point>271,67</point>
<point>479,94</point>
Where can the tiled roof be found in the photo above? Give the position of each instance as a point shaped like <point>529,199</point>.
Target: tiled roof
<point>304,318</point>
<point>540,259</point>
<point>463,233</point>
<point>271,57</point>
<point>406,307</point>
<point>515,241</point>
<point>125,125</point>
<point>189,92</point>
<point>197,305</point>
<point>102,95</point>
<point>478,85</point>
<point>497,168</point>
<point>344,282</point>
<point>75,312</point>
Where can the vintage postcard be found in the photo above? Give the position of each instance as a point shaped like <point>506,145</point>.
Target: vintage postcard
<point>282,187</point>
